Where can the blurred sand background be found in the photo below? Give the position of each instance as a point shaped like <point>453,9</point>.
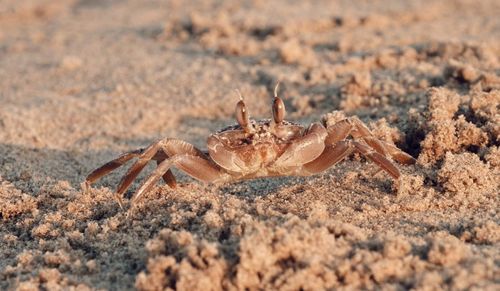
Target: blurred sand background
<point>82,81</point>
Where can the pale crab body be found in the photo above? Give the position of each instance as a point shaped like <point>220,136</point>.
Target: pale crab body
<point>256,149</point>
<point>259,153</point>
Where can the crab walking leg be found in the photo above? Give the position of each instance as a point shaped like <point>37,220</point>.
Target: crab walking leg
<point>111,165</point>
<point>387,149</point>
<point>137,167</point>
<point>357,129</point>
<point>195,166</point>
<point>362,132</point>
<point>120,161</point>
<point>329,157</point>
<point>168,177</point>
<point>360,128</point>
<point>170,147</point>
<point>336,149</point>
<point>306,149</point>
<point>338,131</point>
<point>398,155</point>
<point>377,158</point>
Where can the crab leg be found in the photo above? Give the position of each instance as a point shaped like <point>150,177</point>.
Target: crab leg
<point>338,131</point>
<point>330,156</point>
<point>120,161</point>
<point>398,155</point>
<point>168,177</point>
<point>197,167</point>
<point>377,158</point>
<point>337,148</point>
<point>136,168</point>
<point>360,131</point>
<point>170,147</point>
<point>111,165</point>
<point>376,150</point>
<point>306,149</point>
<point>334,154</point>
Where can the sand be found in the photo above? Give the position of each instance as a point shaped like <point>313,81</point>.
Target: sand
<point>83,81</point>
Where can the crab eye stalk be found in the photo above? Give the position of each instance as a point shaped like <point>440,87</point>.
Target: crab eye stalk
<point>278,107</point>
<point>278,110</point>
<point>242,114</point>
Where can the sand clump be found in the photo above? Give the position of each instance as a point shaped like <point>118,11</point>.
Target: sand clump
<point>323,254</point>
<point>199,268</point>
<point>14,202</point>
<point>465,173</point>
<point>460,141</point>
<point>446,131</point>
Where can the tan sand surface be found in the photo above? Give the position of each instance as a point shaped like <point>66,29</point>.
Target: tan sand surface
<point>82,81</point>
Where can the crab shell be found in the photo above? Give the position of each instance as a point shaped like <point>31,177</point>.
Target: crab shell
<point>270,149</point>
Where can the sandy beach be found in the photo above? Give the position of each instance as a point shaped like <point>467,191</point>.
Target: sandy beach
<point>82,81</point>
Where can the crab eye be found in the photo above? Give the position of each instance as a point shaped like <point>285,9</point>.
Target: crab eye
<point>278,110</point>
<point>242,114</point>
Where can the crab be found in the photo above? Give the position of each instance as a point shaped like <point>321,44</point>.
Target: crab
<point>255,149</point>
